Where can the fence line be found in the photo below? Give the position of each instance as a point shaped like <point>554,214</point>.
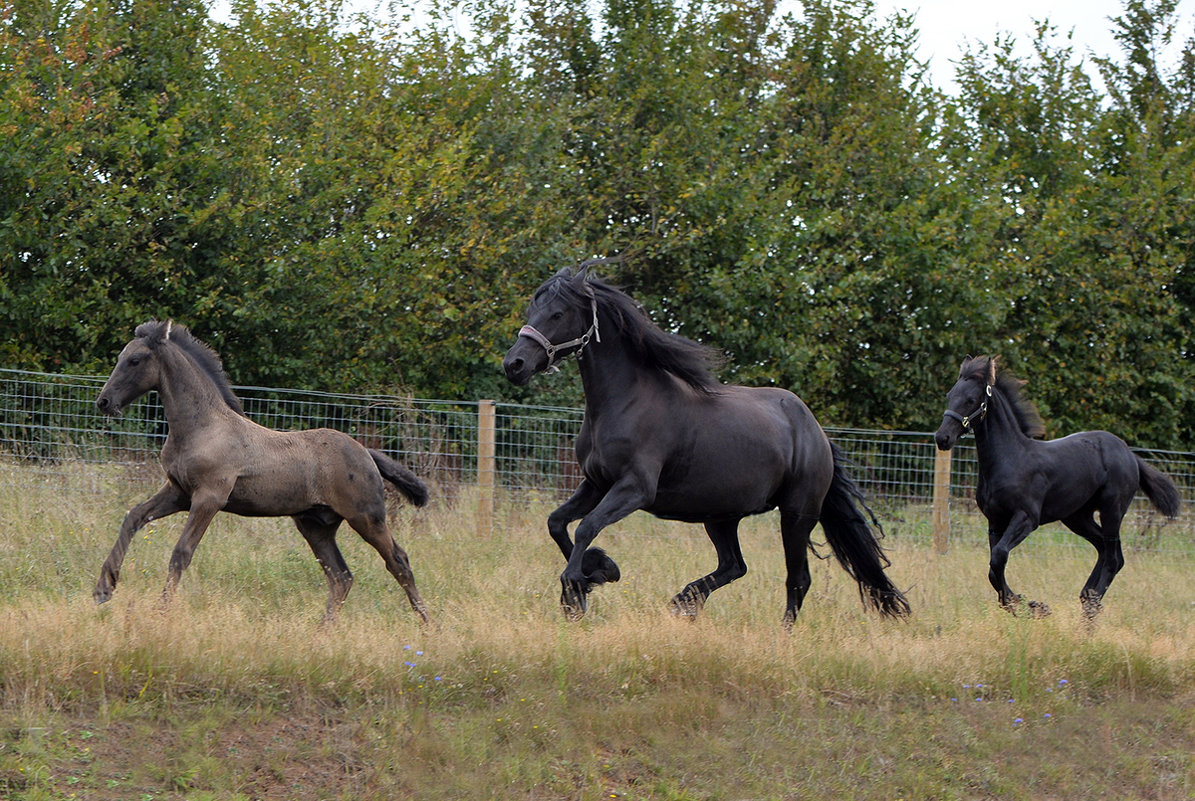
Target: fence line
<point>508,451</point>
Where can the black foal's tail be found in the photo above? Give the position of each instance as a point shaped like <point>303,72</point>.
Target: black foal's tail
<point>1159,489</point>
<point>407,482</point>
<point>854,543</point>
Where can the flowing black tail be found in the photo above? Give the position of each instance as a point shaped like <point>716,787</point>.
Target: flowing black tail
<point>407,482</point>
<point>1159,489</point>
<point>854,543</point>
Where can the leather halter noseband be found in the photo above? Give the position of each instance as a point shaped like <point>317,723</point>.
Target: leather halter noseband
<point>530,332</point>
<point>975,416</point>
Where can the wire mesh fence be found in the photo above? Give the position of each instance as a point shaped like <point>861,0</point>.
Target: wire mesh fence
<point>49,421</point>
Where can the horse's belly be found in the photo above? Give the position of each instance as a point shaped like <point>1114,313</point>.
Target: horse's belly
<point>696,503</point>
<point>252,498</point>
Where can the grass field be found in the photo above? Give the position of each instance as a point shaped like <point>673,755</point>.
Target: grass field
<point>236,692</point>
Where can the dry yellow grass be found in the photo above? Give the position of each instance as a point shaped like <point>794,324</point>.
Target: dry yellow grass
<point>502,698</point>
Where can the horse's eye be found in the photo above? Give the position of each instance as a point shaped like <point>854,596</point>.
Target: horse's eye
<point>134,361</point>
<point>557,315</point>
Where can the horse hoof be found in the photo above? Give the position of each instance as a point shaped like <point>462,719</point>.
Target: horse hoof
<point>1039,610</point>
<point>571,613</point>
<point>685,609</point>
<point>1091,607</point>
<point>599,568</point>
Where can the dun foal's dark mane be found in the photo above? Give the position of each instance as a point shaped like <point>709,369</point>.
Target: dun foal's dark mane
<point>1028,418</point>
<point>691,362</point>
<point>155,335</point>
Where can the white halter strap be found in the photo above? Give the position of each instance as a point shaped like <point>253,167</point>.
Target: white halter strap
<point>532,333</point>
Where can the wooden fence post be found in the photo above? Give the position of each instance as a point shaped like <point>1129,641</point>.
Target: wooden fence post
<point>941,504</point>
<point>485,467</point>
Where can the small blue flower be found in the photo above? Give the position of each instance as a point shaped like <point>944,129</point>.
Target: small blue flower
<point>1019,721</point>
<point>1047,715</point>
<point>409,664</point>
<point>419,653</point>
<point>438,678</point>
<point>1063,681</point>
<point>406,647</point>
<point>966,686</point>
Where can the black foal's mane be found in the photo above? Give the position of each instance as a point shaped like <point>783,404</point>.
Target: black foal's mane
<point>158,333</point>
<point>691,362</point>
<point>1027,416</point>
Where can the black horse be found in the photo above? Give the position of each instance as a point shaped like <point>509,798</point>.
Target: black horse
<point>662,434</point>
<point>1025,482</point>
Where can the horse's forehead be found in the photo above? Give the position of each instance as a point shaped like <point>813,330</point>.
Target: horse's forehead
<point>978,367</point>
<point>134,346</point>
<point>547,294</point>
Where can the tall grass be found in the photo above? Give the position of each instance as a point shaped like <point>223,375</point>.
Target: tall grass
<point>502,698</point>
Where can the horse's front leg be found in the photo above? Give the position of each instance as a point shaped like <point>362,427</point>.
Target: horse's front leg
<point>628,494</point>
<point>166,501</point>
<point>579,504</point>
<point>204,505</point>
<point>1001,543</point>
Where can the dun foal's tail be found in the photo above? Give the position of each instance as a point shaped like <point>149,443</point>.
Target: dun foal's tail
<point>854,544</point>
<point>407,482</point>
<point>1158,488</point>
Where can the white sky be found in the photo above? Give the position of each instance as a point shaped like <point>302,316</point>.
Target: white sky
<point>947,25</point>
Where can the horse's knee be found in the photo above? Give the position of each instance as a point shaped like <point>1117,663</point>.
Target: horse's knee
<point>999,558</point>
<point>180,559</point>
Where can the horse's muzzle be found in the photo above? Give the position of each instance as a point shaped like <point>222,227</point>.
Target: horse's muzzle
<point>944,439</point>
<point>108,406</point>
<point>522,361</point>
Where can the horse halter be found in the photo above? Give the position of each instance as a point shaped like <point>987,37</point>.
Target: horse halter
<point>975,416</point>
<point>530,332</point>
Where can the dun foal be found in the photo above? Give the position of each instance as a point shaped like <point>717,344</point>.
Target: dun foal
<point>216,459</point>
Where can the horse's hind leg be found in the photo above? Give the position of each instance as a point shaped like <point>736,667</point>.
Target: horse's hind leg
<point>795,529</point>
<point>724,534</point>
<point>372,528</point>
<point>1105,537</point>
<point>166,501</point>
<point>320,533</point>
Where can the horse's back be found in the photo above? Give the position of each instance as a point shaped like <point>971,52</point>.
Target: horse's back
<point>1087,469</point>
<point>287,472</point>
<point>735,452</point>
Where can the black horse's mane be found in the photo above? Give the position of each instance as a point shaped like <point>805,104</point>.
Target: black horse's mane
<point>1027,416</point>
<point>691,362</point>
<point>158,333</point>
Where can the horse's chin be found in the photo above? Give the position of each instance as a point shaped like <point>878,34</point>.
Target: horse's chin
<point>519,378</point>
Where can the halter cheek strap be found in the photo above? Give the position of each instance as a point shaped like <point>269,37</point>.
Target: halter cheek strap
<point>975,416</point>
<point>530,332</point>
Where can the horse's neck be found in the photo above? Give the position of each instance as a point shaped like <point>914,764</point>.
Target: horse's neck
<point>608,372</point>
<point>189,396</point>
<point>998,432</point>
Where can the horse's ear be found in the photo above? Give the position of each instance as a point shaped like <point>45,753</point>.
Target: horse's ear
<point>582,275</point>
<point>992,371</point>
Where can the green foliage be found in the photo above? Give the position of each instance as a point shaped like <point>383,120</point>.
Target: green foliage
<point>343,203</point>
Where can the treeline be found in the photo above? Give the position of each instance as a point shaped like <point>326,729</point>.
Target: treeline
<point>366,206</point>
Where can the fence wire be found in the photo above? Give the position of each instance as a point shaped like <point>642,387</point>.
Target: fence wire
<point>49,422</point>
